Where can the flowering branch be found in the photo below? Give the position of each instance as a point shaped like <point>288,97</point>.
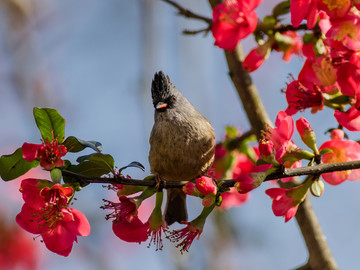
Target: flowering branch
<point>280,173</point>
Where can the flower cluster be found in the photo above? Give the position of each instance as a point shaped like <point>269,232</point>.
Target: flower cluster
<point>278,149</point>
<point>331,73</point>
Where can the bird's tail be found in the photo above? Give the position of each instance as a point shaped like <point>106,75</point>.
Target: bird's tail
<point>175,210</point>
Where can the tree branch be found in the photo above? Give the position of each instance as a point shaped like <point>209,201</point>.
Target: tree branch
<point>287,172</point>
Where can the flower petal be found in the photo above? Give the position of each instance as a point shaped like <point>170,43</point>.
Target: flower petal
<point>30,151</point>
<point>80,225</point>
<point>59,240</point>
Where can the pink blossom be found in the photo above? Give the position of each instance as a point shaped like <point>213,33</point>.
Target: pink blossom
<point>342,151</point>
<point>283,205</point>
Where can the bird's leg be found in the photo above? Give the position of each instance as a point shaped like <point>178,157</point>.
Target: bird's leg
<point>160,183</point>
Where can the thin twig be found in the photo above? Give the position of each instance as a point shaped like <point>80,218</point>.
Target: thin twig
<point>187,13</point>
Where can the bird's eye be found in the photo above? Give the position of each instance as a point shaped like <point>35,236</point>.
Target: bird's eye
<point>173,98</point>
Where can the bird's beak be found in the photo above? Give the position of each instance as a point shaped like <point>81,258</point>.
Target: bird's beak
<point>160,105</point>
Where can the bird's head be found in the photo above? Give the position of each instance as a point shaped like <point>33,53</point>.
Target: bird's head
<point>164,93</point>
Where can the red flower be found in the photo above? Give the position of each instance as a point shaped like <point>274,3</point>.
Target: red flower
<point>320,72</point>
<point>46,212</point>
<point>156,235</point>
<point>126,209</point>
<point>346,30</point>
<point>156,224</point>
<point>342,151</point>
<point>49,153</point>
<point>349,119</point>
<point>281,135</point>
<point>283,205</point>
<point>233,20</point>
<point>335,9</point>
<point>187,235</point>
<point>349,82</point>
<point>304,9</point>
<point>126,223</point>
<point>300,97</point>
<point>192,230</point>
<point>286,201</point>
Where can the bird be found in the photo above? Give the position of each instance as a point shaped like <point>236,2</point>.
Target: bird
<point>182,144</point>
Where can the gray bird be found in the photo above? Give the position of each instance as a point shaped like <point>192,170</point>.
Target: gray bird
<point>182,143</point>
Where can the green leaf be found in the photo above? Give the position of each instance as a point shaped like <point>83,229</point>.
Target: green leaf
<point>261,162</point>
<point>133,164</point>
<point>14,165</point>
<point>74,144</point>
<point>308,38</point>
<point>325,151</point>
<point>281,9</point>
<point>231,132</point>
<point>94,165</point>
<point>49,120</point>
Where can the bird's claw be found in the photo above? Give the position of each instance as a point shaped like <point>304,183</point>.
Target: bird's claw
<point>160,183</point>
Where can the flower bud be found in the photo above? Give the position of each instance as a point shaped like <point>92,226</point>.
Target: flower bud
<point>307,134</point>
<point>337,134</point>
<point>190,189</point>
<point>317,188</point>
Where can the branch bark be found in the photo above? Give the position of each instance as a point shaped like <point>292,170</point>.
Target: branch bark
<point>281,173</point>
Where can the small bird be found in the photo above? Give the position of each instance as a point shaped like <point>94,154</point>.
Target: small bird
<point>182,143</point>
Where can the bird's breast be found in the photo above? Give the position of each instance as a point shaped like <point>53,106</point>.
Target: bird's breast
<point>181,150</point>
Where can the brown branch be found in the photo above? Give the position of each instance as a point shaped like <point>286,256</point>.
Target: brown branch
<point>287,172</point>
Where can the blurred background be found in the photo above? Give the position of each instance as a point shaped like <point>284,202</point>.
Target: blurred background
<point>94,61</point>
